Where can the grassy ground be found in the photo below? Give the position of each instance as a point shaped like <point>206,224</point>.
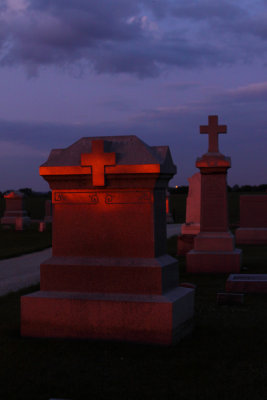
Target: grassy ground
<point>225,358</point>
<point>15,243</point>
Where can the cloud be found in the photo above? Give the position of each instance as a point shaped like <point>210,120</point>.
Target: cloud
<point>138,37</point>
<point>255,92</point>
<point>15,149</point>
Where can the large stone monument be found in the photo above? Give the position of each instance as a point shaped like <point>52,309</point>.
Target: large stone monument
<point>253,220</point>
<point>15,213</point>
<point>109,276</point>
<point>192,223</point>
<point>214,248</point>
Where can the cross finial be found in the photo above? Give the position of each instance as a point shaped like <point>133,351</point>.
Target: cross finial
<point>213,129</point>
<point>98,159</point>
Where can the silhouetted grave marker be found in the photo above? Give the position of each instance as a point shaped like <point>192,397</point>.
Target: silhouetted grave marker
<point>15,213</point>
<point>109,276</point>
<point>214,249</point>
<point>169,217</point>
<point>247,283</point>
<point>253,220</point>
<point>192,223</point>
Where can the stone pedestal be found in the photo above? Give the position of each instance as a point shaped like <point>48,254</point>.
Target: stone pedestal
<point>191,227</point>
<point>253,220</point>
<point>214,249</point>
<point>15,214</point>
<point>109,276</point>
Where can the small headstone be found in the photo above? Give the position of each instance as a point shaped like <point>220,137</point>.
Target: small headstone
<point>110,276</point>
<point>42,226</point>
<point>253,220</point>
<point>19,224</point>
<point>247,283</point>
<point>230,298</point>
<point>214,249</point>
<point>15,213</point>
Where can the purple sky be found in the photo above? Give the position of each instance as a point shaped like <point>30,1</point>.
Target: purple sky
<point>153,68</point>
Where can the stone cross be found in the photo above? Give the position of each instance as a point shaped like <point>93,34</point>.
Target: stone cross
<point>213,129</point>
<point>98,159</point>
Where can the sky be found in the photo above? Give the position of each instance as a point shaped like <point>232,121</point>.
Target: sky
<point>151,68</point>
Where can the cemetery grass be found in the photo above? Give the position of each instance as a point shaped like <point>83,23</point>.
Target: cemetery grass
<point>225,358</point>
<point>15,243</point>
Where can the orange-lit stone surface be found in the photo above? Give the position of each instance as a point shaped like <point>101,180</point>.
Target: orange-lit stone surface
<point>214,248</point>
<point>109,276</point>
<point>253,220</point>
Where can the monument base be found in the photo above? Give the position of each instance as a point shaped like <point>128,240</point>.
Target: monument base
<point>251,236</point>
<point>216,262</point>
<point>155,319</point>
<point>185,243</point>
<point>147,276</point>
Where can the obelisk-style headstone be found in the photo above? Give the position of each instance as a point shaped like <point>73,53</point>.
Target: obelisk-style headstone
<point>214,249</point>
<point>191,228</point>
<point>109,276</point>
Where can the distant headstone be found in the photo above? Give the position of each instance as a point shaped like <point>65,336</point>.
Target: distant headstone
<point>15,213</point>
<point>169,217</point>
<point>253,220</point>
<point>230,298</point>
<point>192,222</point>
<point>42,226</point>
<point>247,283</point>
<point>110,276</point>
<point>191,227</point>
<point>214,249</point>
<point>48,211</point>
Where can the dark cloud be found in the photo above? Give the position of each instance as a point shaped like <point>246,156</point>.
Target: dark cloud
<point>140,37</point>
<point>207,10</point>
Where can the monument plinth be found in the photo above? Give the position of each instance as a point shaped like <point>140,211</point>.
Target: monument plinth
<point>214,248</point>
<point>109,276</point>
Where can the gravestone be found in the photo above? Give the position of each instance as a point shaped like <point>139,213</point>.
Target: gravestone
<point>247,283</point>
<point>109,276</point>
<point>253,220</point>
<point>214,248</point>
<point>169,217</point>
<point>15,213</point>
<point>48,211</point>
<point>192,223</point>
